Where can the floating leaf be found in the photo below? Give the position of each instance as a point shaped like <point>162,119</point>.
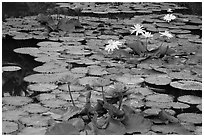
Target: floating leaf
<point>16,100</point>
<point>130,79</point>
<point>11,68</point>
<point>33,131</point>
<point>62,129</point>
<point>9,127</point>
<point>158,80</point>
<point>187,85</point>
<point>199,107</point>
<point>152,111</point>
<point>78,123</point>
<point>190,117</point>
<point>35,120</point>
<point>114,128</point>
<point>158,104</point>
<point>54,103</point>
<point>49,43</point>
<point>66,96</point>
<point>79,70</point>
<point>190,99</point>
<point>71,111</point>
<point>72,87</point>
<point>170,129</point>
<point>88,80</point>
<point>13,115</point>
<point>137,46</point>
<point>163,98</point>
<point>166,116</point>
<point>179,105</point>
<point>42,87</point>
<point>34,108</point>
<point>136,123</point>
<point>46,96</point>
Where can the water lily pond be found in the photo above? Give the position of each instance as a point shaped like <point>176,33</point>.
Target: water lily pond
<point>103,69</point>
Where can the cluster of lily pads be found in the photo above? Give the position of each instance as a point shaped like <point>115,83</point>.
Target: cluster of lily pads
<point>80,89</point>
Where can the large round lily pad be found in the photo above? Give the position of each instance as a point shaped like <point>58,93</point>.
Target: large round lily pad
<point>190,117</point>
<point>187,85</point>
<point>190,99</point>
<point>35,120</point>
<point>130,79</point>
<point>158,80</point>
<point>13,115</point>
<point>16,100</point>
<point>42,87</point>
<point>54,103</point>
<point>11,68</point>
<point>9,127</point>
<point>33,131</point>
<point>163,98</point>
<point>34,108</point>
<point>49,43</point>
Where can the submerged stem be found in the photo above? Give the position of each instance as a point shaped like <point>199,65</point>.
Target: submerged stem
<point>120,102</point>
<point>70,94</point>
<point>103,94</point>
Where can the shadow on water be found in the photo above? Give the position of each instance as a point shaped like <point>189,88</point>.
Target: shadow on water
<point>13,81</point>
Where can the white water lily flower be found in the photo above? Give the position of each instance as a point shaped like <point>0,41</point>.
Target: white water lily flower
<point>166,34</point>
<point>112,44</point>
<point>138,29</point>
<point>147,34</point>
<point>169,17</point>
<point>169,10</point>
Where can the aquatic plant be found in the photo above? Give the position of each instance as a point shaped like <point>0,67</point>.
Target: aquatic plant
<point>112,45</point>
<point>169,17</point>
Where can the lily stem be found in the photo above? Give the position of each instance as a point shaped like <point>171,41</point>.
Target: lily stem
<point>103,94</point>
<point>70,95</point>
<point>120,102</point>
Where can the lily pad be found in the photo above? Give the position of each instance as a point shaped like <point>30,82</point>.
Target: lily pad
<point>74,88</point>
<point>11,68</point>
<point>49,43</point>
<point>28,50</point>
<point>54,103</point>
<point>16,100</point>
<point>88,80</point>
<point>179,105</point>
<point>35,120</point>
<point>171,129</point>
<point>66,96</point>
<point>190,99</point>
<point>34,108</point>
<point>158,80</point>
<point>190,117</point>
<point>79,70</point>
<point>13,115</point>
<point>163,98</point>
<point>46,96</point>
<point>62,129</point>
<point>33,131</point>
<point>187,85</point>
<point>130,79</point>
<point>42,87</point>
<point>9,127</point>
<point>152,111</point>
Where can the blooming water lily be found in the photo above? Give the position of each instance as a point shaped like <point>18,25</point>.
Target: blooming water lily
<point>112,44</point>
<point>138,29</point>
<point>147,34</point>
<point>169,17</point>
<point>166,34</point>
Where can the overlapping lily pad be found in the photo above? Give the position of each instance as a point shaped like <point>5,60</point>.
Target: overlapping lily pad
<point>158,80</point>
<point>190,99</point>
<point>9,127</point>
<point>42,87</point>
<point>16,100</point>
<point>190,117</point>
<point>187,85</point>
